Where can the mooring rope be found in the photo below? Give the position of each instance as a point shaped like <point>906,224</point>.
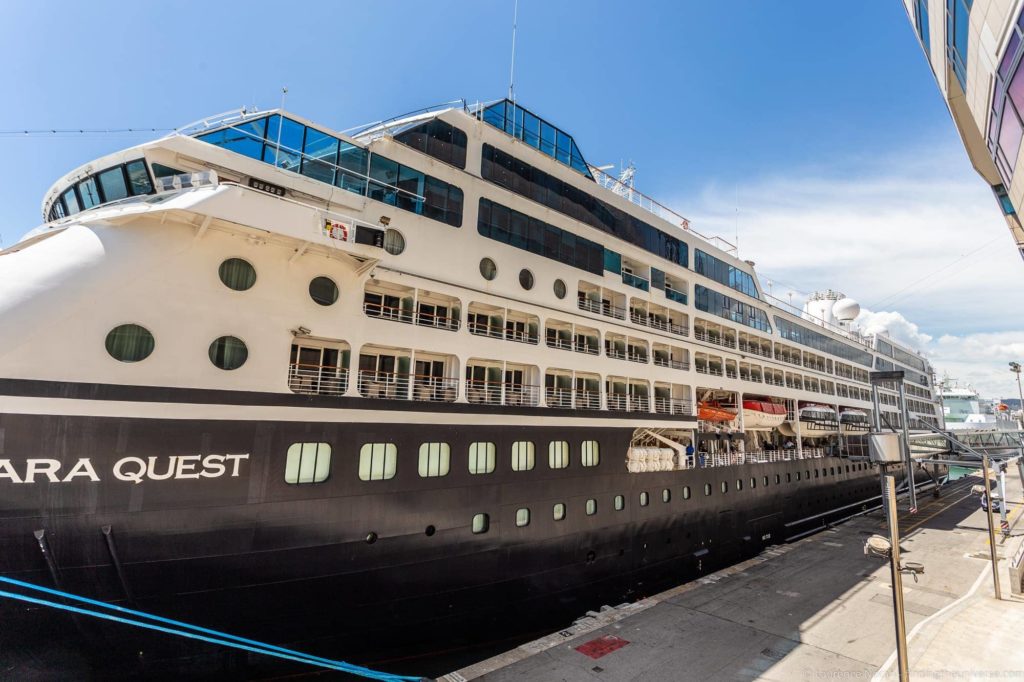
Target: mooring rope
<point>182,629</point>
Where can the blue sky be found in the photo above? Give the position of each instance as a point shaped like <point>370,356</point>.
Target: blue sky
<point>721,105</point>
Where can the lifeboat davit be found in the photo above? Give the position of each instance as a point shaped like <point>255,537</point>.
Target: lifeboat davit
<point>711,412</point>
<point>762,414</point>
<point>822,419</point>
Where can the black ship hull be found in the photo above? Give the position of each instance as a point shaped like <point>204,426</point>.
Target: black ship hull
<point>367,571</point>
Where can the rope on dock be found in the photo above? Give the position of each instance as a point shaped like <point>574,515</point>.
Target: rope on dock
<point>182,629</point>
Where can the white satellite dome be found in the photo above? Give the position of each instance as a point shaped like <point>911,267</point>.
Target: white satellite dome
<point>846,310</point>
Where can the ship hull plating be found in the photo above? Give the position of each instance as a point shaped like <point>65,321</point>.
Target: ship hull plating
<point>192,519</point>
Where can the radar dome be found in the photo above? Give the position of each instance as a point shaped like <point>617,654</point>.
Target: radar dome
<point>846,310</point>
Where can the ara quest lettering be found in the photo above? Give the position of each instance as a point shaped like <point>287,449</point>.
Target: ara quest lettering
<point>130,469</point>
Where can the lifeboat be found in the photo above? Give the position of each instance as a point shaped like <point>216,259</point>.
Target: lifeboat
<point>854,421</point>
<point>711,412</point>
<point>762,414</point>
<point>821,419</point>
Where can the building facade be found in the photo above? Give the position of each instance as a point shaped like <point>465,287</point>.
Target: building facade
<point>974,49</point>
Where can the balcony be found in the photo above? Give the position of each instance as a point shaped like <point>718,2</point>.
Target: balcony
<point>712,337</point>
<point>672,364</point>
<point>636,281</point>
<point>520,336</point>
<point>396,386</point>
<point>677,296</point>
<point>492,393</point>
<point>317,379</point>
<point>672,406</point>
<point>622,402</point>
<point>572,399</point>
<point>423,318</point>
<point>601,308</point>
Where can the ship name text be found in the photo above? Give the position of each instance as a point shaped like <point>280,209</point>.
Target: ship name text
<point>128,469</point>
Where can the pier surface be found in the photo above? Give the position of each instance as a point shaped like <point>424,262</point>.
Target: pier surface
<point>811,610</point>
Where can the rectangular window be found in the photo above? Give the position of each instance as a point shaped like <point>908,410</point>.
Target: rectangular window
<point>481,458</point>
<point>88,192</point>
<point>435,459</point>
<point>138,178</point>
<point>723,273</point>
<point>307,463</point>
<point>558,511</point>
<point>711,301</point>
<point>590,453</point>
<point>558,454</point>
<point>523,455</point>
<point>591,507</point>
<point>522,517</point>
<point>71,201</point>
<point>320,156</point>
<point>113,185</point>
<point>378,461</point>
<point>243,138</point>
<point>481,523</point>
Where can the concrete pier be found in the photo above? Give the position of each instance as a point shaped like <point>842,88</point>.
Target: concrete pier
<point>815,609</point>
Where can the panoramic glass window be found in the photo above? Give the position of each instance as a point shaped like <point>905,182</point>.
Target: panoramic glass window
<point>237,274</point>
<point>113,184</point>
<point>522,455</point>
<point>522,517</point>
<point>88,192</point>
<point>488,270</point>
<point>526,279</point>
<point>307,463</point>
<point>1006,119</point>
<point>481,523</point>
<point>378,461</point>
<point>481,458</point>
<point>435,459</point>
<point>441,140</point>
<point>228,352</point>
<point>323,290</point>
<point>129,343</point>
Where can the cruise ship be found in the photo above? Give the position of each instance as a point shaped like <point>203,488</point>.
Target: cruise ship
<point>422,386</point>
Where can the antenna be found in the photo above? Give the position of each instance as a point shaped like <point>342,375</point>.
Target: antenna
<point>280,124</point>
<point>512,69</point>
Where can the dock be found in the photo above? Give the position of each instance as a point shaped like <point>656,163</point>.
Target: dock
<point>813,609</point>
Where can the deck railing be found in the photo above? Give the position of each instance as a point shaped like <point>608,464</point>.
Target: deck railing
<point>317,379</point>
<point>672,406</point>
<point>396,386</point>
<point>495,393</point>
<point>422,319</point>
<point>621,402</point>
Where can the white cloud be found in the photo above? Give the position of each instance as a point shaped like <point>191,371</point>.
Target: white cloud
<point>916,237</point>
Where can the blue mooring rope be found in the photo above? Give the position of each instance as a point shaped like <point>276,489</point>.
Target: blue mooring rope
<point>221,638</point>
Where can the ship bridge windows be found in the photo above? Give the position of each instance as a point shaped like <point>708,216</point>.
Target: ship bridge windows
<point>672,398</point>
<point>595,299</point>
<point>385,373</point>
<point>496,382</point>
<point>319,367</point>
<point>298,148</point>
<point>412,306</point>
<point>111,184</point>
<point>516,121</point>
<point>502,323</point>
<point>572,390</point>
<point>625,394</point>
<point>436,138</point>
<point>755,345</point>
<point>672,357</point>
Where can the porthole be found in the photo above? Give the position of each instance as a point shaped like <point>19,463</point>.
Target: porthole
<point>237,274</point>
<point>707,489</point>
<point>558,511</point>
<point>666,495</point>
<point>620,503</point>
<point>559,288</point>
<point>228,352</point>
<point>371,538</point>
<point>323,290</point>
<point>129,343</point>
<point>522,517</point>
<point>394,242</point>
<point>725,486</point>
<point>526,279</point>
<point>739,484</point>
<point>429,532</point>
<point>645,499</point>
<point>488,270</point>
<point>481,523</point>
<point>686,492</point>
<point>591,507</point>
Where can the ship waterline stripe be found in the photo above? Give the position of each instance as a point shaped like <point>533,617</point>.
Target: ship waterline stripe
<point>206,411</point>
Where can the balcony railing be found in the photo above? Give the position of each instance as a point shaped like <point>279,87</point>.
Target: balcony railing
<point>494,393</point>
<point>788,359</point>
<point>520,336</point>
<point>633,356</point>
<point>670,363</point>
<point>672,406</point>
<point>581,346</point>
<point>601,308</point>
<point>396,386</point>
<point>421,318</point>
<point>677,296</point>
<point>754,350</point>
<point>636,281</point>
<point>621,402</point>
<point>616,353</point>
<point>572,399</point>
<point>559,343</point>
<point>678,329</point>
<point>730,373</point>
<point>495,331</point>
<point>713,337</point>
<point>317,379</point>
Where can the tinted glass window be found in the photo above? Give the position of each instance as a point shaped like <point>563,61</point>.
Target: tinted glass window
<point>71,201</point>
<point>113,185</point>
<point>138,178</point>
<point>228,352</point>
<point>284,143</point>
<point>130,343</point>
<point>438,139</point>
<point>88,192</point>
<point>237,274</point>
<point>320,156</point>
<point>713,302</point>
<point>243,138</point>
<point>323,290</point>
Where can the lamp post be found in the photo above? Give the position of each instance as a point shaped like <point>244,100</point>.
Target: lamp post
<point>1015,368</point>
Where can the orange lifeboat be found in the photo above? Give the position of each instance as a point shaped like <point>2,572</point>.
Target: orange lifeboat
<point>712,412</point>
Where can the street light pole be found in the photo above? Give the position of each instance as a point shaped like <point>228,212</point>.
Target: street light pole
<point>991,526</point>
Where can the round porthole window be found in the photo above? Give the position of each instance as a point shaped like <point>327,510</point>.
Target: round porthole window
<point>323,290</point>
<point>394,242</point>
<point>526,279</point>
<point>488,269</point>
<point>130,343</point>
<point>559,288</point>
<point>228,352</point>
<point>237,274</point>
